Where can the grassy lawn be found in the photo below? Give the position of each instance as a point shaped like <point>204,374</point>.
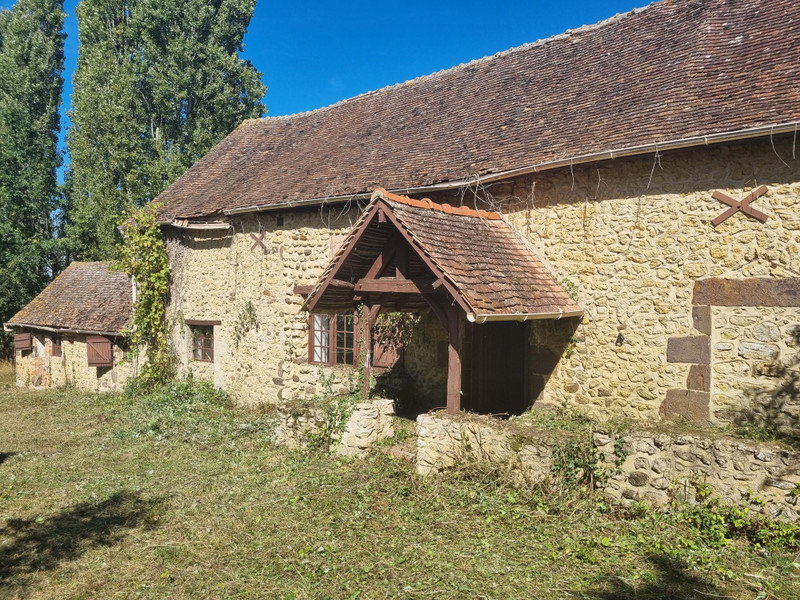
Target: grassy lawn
<point>107,497</point>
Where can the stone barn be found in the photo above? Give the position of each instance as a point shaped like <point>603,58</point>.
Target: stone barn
<point>608,219</point>
<point>647,165</point>
<point>73,333</point>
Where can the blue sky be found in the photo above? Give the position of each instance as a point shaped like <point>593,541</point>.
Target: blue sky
<point>315,53</point>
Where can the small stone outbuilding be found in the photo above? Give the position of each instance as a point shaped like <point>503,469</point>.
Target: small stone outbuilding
<point>73,333</point>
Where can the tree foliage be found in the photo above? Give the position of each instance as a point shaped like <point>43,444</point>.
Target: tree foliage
<point>158,83</point>
<point>31,64</point>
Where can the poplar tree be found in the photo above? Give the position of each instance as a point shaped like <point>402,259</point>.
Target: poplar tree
<point>31,65</point>
<point>158,83</point>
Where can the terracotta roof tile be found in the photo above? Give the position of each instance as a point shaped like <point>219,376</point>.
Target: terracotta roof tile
<point>673,70</point>
<point>86,296</point>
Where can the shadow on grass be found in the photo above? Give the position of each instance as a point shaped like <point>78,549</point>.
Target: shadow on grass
<point>669,580</point>
<point>30,545</point>
<point>4,456</point>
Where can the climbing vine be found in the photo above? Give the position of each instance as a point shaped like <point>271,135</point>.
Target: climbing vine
<point>245,321</point>
<point>395,329</point>
<point>144,257</point>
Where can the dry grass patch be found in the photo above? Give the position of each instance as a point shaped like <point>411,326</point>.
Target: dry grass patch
<point>112,496</point>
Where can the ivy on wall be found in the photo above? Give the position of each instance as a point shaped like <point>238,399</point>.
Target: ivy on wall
<point>144,257</point>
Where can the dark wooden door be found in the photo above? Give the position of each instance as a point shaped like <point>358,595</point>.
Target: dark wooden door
<point>494,379</point>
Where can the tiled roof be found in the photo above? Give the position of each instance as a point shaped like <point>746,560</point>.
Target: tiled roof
<point>86,296</point>
<point>676,69</point>
<point>491,267</point>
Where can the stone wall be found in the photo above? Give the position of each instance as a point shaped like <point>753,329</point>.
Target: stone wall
<point>427,377</point>
<point>368,423</point>
<point>655,466</point>
<point>216,274</point>
<point>756,366</point>
<point>38,368</point>
<point>660,464</point>
<point>633,236</point>
<point>444,441</point>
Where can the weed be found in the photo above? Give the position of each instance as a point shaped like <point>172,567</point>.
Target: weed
<point>337,410</point>
<point>246,321</point>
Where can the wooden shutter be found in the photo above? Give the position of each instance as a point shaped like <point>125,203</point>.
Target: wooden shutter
<point>55,347</point>
<point>23,341</point>
<point>98,351</point>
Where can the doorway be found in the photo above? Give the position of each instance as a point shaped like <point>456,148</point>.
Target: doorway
<point>494,379</point>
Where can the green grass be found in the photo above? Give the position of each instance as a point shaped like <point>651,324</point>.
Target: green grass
<point>124,497</point>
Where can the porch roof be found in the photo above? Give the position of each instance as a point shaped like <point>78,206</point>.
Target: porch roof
<point>476,256</point>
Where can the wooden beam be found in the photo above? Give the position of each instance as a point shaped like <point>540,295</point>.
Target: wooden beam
<point>384,258</point>
<point>437,308</point>
<point>303,290</point>
<point>453,360</point>
<point>395,286</point>
<point>340,283</point>
<point>344,256</point>
<point>401,262</point>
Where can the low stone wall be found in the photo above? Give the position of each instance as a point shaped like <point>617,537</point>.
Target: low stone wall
<point>368,423</point>
<point>444,442</point>
<point>295,426</point>
<point>653,467</point>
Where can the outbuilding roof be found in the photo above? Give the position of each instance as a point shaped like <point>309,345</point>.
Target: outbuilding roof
<point>478,257</point>
<point>85,297</point>
<point>676,73</point>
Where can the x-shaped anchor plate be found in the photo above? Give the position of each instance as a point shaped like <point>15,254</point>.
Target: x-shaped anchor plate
<point>736,206</point>
<point>259,241</point>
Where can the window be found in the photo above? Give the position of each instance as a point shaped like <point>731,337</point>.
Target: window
<point>332,339</point>
<point>203,342</point>
<point>55,346</point>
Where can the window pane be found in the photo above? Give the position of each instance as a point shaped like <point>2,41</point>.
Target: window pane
<point>321,354</point>
<point>322,322</point>
<point>321,338</point>
<point>345,327</point>
<point>344,322</point>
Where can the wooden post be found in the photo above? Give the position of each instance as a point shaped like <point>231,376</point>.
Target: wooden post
<point>453,361</point>
<point>370,315</point>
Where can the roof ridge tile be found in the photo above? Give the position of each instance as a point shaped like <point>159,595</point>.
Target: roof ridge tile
<point>465,211</point>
